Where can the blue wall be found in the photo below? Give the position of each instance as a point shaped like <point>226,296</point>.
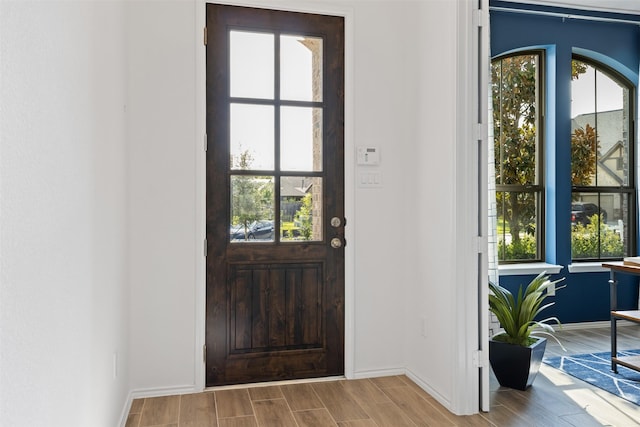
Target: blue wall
<point>586,297</point>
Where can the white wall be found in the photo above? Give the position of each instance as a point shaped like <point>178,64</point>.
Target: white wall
<point>162,193</point>
<point>63,242</point>
<point>102,212</point>
<point>431,357</point>
<point>404,101</point>
<point>385,219</point>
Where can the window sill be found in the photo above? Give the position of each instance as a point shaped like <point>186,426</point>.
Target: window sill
<point>539,267</point>
<point>590,267</point>
<point>528,268</point>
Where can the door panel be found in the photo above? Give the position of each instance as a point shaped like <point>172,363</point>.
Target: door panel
<point>275,178</point>
<point>275,307</point>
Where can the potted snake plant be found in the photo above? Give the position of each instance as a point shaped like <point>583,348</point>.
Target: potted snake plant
<point>515,354</point>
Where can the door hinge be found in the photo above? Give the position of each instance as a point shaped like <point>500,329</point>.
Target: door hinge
<point>478,18</point>
<point>480,131</point>
<point>481,244</point>
<point>205,36</point>
<point>204,353</point>
<point>206,142</point>
<point>479,359</point>
<point>205,247</point>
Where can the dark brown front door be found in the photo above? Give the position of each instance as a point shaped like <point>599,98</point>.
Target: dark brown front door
<point>275,195</point>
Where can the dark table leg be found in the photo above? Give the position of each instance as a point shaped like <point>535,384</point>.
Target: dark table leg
<point>613,284</point>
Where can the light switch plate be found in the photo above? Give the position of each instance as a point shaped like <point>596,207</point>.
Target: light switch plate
<point>370,179</point>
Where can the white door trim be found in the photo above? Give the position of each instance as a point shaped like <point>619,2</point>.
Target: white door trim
<point>471,214</point>
<point>200,171</point>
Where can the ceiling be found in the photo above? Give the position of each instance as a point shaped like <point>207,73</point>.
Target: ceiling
<point>618,6</point>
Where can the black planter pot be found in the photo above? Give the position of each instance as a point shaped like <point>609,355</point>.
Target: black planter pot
<point>516,366</point>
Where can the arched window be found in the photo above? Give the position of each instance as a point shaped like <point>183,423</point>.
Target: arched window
<point>517,105</point>
<point>602,162</point>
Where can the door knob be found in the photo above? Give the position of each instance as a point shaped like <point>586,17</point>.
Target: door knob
<point>336,243</point>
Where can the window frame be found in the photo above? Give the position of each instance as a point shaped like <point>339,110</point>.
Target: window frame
<point>631,188</point>
<point>539,188</point>
<point>277,172</point>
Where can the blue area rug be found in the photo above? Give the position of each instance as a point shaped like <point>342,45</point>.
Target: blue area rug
<point>595,368</point>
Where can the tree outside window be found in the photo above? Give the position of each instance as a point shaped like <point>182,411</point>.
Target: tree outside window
<point>516,101</point>
<point>602,207</point>
<point>252,199</point>
<point>517,104</point>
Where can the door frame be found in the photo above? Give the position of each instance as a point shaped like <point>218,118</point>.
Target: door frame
<point>200,173</point>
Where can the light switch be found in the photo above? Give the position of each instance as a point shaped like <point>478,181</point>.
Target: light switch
<point>370,179</point>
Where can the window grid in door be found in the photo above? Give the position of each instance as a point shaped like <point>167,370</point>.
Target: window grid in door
<point>276,136</point>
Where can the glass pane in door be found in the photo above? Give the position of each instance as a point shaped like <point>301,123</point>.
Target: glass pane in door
<point>251,57</point>
<point>300,208</point>
<point>301,139</point>
<point>300,68</point>
<point>252,137</point>
<point>252,209</point>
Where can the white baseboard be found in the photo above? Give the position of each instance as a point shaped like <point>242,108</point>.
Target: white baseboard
<point>153,392</point>
<point>125,411</point>
<point>413,377</point>
<point>163,391</point>
<point>590,325</point>
<point>583,325</point>
<point>433,393</point>
<point>379,373</point>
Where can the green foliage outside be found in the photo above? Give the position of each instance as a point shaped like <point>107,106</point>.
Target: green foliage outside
<point>304,217</point>
<point>301,228</point>
<point>514,115</point>
<point>595,240</point>
<point>584,146</point>
<point>501,227</point>
<point>289,230</point>
<point>517,158</point>
<point>252,199</point>
<point>252,196</point>
<point>523,249</point>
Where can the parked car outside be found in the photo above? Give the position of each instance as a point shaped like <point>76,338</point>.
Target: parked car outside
<point>257,230</point>
<point>581,213</point>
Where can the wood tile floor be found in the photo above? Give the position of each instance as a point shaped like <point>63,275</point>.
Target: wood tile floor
<point>555,400</point>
